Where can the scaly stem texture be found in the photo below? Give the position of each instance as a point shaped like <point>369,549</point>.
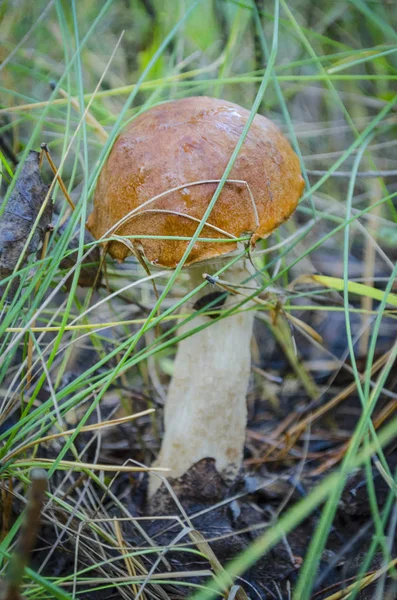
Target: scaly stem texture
<point>205,414</point>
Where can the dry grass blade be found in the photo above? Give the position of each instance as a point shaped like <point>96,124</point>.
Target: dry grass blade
<point>99,130</point>
<point>130,562</point>
<point>295,431</point>
<point>47,463</point>
<point>206,549</point>
<point>30,342</point>
<point>325,307</point>
<point>363,583</point>
<point>298,429</point>
<point>337,456</point>
<point>94,427</point>
<point>304,327</point>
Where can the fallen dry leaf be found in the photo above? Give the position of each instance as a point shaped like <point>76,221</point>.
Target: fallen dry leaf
<point>19,216</point>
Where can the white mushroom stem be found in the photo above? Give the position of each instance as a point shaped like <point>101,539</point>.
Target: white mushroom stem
<point>205,414</point>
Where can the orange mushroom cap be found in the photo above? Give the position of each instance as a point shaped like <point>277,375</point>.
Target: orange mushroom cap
<point>191,140</point>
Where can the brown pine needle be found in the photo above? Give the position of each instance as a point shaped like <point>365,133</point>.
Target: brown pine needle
<point>46,151</point>
<point>99,130</point>
<point>304,327</point>
<point>337,455</point>
<point>314,416</point>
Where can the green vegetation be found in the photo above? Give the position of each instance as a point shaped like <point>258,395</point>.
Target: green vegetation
<point>72,74</point>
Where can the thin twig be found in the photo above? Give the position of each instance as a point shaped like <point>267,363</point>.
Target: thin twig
<point>28,534</point>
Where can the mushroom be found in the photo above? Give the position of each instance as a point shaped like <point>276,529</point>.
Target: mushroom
<point>158,180</point>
